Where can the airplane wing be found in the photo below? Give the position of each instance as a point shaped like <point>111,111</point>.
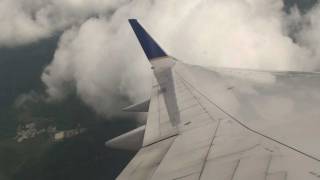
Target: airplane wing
<point>226,124</point>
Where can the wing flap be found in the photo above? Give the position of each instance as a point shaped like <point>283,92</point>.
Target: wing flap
<point>138,107</point>
<point>131,140</point>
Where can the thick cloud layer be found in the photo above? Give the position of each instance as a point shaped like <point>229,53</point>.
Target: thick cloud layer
<point>24,21</point>
<point>93,61</point>
<point>99,58</point>
<point>308,36</point>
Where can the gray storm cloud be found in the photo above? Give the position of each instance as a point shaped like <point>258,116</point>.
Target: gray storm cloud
<point>99,58</point>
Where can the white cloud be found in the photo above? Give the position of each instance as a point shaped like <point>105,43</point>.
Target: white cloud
<point>24,22</point>
<point>308,36</point>
<point>242,34</point>
<point>93,61</point>
<point>100,58</point>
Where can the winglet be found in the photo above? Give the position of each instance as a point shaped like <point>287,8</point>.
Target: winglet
<point>149,45</point>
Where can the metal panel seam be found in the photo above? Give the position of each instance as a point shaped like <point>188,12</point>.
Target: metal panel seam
<point>215,131</point>
<point>248,128</point>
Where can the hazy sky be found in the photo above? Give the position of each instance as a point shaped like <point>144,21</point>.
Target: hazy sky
<point>99,58</point>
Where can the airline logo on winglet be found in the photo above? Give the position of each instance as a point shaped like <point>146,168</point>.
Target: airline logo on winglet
<point>148,44</point>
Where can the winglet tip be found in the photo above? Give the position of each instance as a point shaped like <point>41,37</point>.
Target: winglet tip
<point>149,45</point>
<point>132,20</point>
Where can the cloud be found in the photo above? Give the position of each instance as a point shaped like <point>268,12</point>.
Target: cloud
<point>99,58</point>
<point>25,22</point>
<point>23,99</point>
<point>308,35</point>
<point>92,61</point>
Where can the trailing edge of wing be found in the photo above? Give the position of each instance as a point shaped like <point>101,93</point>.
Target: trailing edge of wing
<point>148,44</point>
<point>138,107</point>
<point>131,140</point>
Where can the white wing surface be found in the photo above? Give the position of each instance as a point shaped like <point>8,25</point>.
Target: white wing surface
<point>227,124</point>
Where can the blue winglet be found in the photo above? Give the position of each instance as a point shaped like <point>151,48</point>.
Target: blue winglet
<point>149,46</point>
